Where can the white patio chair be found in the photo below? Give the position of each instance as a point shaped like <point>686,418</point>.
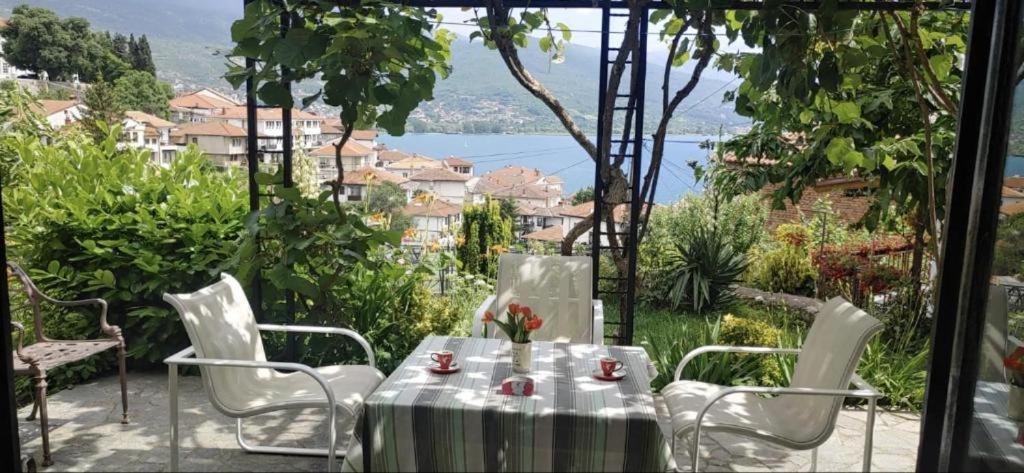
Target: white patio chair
<point>801,416</point>
<point>558,288</point>
<point>240,382</point>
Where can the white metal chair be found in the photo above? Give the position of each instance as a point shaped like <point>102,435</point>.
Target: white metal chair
<point>558,288</point>
<point>801,416</point>
<point>240,382</point>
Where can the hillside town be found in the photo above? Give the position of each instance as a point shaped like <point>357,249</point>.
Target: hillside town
<point>436,189</point>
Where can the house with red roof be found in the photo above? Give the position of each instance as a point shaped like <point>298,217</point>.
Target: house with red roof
<point>223,143</point>
<point>199,106</point>
<point>528,187</point>
<point>444,184</point>
<point>354,155</point>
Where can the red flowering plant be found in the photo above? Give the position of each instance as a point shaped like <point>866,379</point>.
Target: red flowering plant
<point>520,322</point>
<point>1015,367</point>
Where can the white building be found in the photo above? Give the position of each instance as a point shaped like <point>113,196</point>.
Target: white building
<point>270,128</point>
<point>354,155</point>
<point>199,106</point>
<point>411,164</point>
<point>458,165</point>
<point>433,221</point>
<point>443,184</point>
<point>358,184</point>
<point>528,187</point>
<point>532,219</point>
<point>59,112</point>
<point>223,143</point>
<point>142,130</point>
<point>8,71</point>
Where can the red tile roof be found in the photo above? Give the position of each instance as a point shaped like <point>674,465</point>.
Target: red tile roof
<point>359,177</point>
<point>211,129</point>
<point>438,174</point>
<point>1014,182</point>
<point>49,107</point>
<point>266,114</point>
<point>197,100</point>
<point>365,135</point>
<point>351,148</point>
<point>515,181</point>
<point>143,117</point>
<point>552,233</point>
<point>391,155</point>
<point>1012,209</point>
<point>453,161</point>
<point>586,209</point>
<point>437,208</point>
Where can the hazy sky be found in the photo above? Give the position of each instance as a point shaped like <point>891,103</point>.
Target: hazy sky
<point>585,23</point>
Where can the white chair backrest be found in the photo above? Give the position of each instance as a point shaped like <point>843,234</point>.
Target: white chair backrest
<point>221,325</point>
<point>827,360</point>
<point>557,288</point>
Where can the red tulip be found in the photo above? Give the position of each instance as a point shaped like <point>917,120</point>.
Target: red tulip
<point>513,308</point>
<point>488,317</point>
<point>533,324</point>
<point>526,311</point>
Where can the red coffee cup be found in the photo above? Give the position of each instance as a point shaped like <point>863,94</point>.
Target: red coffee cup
<point>610,365</point>
<point>443,358</point>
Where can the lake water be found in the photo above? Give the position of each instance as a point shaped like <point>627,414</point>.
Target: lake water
<point>553,155</point>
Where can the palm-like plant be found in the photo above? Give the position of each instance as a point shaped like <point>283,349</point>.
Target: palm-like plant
<point>702,267</point>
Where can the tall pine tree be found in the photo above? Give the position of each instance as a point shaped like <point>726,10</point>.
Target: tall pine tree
<point>142,56</point>
<point>102,105</point>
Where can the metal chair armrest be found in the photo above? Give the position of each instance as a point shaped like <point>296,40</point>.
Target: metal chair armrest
<point>863,385</point>
<point>478,316</point>
<point>327,330</point>
<point>598,330</point>
<point>21,337</point>
<point>728,349</point>
<point>110,330</point>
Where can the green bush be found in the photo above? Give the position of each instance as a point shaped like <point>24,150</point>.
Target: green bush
<point>90,219</point>
<point>785,269</point>
<point>747,332</point>
<point>1009,257</point>
<point>702,267</point>
<point>741,220</point>
<point>485,233</point>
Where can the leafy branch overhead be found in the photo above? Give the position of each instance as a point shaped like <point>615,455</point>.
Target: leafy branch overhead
<point>376,61</point>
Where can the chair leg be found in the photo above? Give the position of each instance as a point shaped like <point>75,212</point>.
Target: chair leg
<point>40,380</point>
<point>35,408</point>
<point>124,383</point>
<point>869,432</point>
<point>172,401</point>
<point>814,459</point>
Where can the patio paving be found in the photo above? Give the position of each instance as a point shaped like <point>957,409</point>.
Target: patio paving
<point>85,435</point>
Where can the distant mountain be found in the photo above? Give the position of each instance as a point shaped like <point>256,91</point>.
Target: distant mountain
<point>188,38</point>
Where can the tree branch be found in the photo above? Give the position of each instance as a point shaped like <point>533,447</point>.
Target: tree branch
<point>498,29</point>
<point>337,185</point>
<point>912,35</point>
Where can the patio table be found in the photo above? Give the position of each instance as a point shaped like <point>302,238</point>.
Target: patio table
<point>420,421</point>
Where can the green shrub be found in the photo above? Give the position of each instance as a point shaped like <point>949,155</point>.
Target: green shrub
<point>88,219</point>
<point>702,267</point>
<point>748,332</point>
<point>792,234</point>
<point>741,220</point>
<point>785,269</point>
<point>486,232</point>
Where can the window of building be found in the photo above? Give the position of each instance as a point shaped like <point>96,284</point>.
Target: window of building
<point>195,140</point>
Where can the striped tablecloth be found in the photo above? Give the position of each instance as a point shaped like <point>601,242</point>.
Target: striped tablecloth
<point>420,421</point>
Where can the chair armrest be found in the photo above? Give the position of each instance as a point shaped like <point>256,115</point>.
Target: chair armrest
<point>863,385</point>
<point>21,337</point>
<point>478,316</point>
<point>328,330</point>
<point>598,330</point>
<point>187,357</point>
<point>727,349</point>
<point>112,331</point>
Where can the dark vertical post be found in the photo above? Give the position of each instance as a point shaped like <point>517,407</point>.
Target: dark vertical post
<point>602,92</point>
<point>291,346</point>
<point>635,177</point>
<point>10,449</point>
<point>969,235</point>
<point>252,162</point>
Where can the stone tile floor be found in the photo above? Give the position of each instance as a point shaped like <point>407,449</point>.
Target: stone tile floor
<point>85,435</point>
